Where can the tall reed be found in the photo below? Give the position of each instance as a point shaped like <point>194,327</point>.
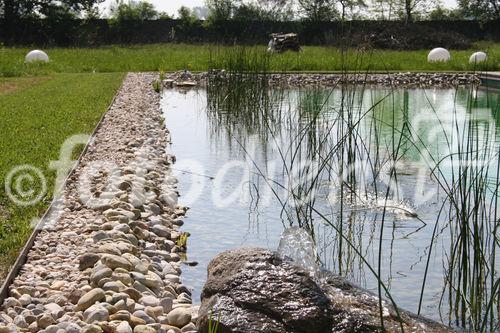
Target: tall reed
<point>335,144</point>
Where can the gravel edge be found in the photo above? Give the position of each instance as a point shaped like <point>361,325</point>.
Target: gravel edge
<point>394,80</point>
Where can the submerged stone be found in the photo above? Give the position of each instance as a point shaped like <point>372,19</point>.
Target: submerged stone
<point>252,290</point>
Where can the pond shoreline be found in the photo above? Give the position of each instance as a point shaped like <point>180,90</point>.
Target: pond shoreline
<point>108,255</point>
<point>393,80</point>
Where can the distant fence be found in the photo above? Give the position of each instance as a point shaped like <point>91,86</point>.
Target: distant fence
<point>380,34</point>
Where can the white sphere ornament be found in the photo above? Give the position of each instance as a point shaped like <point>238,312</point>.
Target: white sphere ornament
<point>35,56</point>
<point>438,54</point>
<point>478,57</point>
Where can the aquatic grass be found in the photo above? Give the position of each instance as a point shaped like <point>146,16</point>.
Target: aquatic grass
<point>353,137</point>
<point>238,80</point>
<point>470,273</point>
<point>469,270</point>
<point>469,215</point>
<point>182,240</point>
<point>303,223</point>
<point>213,325</point>
<point>157,85</point>
<point>357,140</point>
<point>473,282</point>
<point>308,141</point>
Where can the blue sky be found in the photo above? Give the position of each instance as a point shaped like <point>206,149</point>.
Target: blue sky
<point>171,6</point>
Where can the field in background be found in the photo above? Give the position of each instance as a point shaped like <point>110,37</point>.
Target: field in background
<point>171,57</point>
<point>38,115</point>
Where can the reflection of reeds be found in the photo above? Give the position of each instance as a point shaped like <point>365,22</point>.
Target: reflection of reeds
<point>470,211</point>
<point>472,194</point>
<point>341,142</point>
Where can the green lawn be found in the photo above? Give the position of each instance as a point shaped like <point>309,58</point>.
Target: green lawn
<point>170,57</point>
<point>38,114</point>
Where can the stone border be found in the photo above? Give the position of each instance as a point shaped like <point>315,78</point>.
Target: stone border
<point>311,79</point>
<point>109,260</point>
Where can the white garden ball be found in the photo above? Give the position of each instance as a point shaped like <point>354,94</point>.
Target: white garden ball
<point>478,57</point>
<point>36,55</point>
<point>438,54</point>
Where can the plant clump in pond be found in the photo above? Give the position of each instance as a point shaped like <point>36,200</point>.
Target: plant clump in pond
<point>340,137</point>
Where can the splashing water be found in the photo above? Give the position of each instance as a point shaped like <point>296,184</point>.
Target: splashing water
<point>297,245</point>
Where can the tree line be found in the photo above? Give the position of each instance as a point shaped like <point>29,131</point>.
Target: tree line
<point>217,11</point>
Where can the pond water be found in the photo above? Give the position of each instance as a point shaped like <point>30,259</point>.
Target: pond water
<point>330,160</point>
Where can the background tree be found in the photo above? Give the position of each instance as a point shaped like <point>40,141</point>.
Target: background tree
<point>187,17</point>
<point>411,10</point>
<point>92,13</point>
<point>133,11</point>
<point>201,12</point>
<point>441,13</point>
<point>20,9</point>
<point>318,10</point>
<point>279,10</point>
<point>219,10</point>
<point>249,12</point>
<point>258,11</point>
<point>164,16</point>
<point>350,9</point>
<point>481,10</point>
<point>17,9</point>
<point>53,11</point>
<point>383,9</point>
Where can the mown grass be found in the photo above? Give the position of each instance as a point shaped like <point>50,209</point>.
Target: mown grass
<point>36,118</point>
<point>170,57</point>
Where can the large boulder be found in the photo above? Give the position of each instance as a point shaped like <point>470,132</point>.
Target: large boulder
<point>357,310</point>
<point>252,290</point>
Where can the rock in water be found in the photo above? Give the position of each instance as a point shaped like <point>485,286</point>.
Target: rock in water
<point>253,290</point>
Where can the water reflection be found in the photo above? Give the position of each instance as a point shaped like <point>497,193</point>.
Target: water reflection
<point>378,164</point>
